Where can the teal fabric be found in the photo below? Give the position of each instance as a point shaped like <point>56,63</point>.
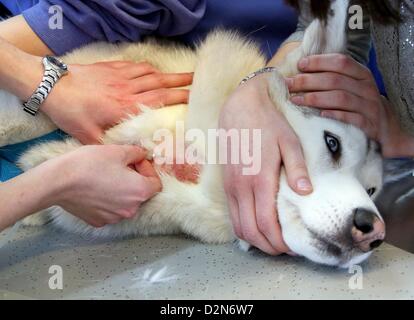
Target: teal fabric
<point>11,153</point>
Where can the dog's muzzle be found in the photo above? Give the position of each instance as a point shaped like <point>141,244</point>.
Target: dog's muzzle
<point>368,230</point>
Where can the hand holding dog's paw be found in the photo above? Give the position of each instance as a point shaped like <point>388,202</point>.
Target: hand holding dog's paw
<point>105,184</point>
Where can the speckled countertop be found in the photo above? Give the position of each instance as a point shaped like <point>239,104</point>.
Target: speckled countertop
<point>180,268</point>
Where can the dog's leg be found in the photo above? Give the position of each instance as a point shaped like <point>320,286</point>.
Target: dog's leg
<point>223,60</point>
<point>18,126</point>
<point>140,129</point>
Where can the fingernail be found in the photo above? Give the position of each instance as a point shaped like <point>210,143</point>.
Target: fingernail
<point>303,63</point>
<point>298,99</point>
<point>289,82</point>
<point>291,253</point>
<point>304,185</point>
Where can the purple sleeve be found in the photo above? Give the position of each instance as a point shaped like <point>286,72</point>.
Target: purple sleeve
<point>85,21</point>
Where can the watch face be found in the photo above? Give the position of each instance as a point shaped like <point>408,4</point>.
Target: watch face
<point>57,63</point>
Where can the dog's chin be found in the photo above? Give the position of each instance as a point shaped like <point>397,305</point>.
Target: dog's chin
<point>355,260</point>
<point>347,259</point>
<point>304,241</point>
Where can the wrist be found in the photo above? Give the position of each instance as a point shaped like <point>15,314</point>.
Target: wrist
<point>30,73</point>
<point>57,181</point>
<point>256,86</point>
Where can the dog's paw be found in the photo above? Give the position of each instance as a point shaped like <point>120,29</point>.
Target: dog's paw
<point>37,219</point>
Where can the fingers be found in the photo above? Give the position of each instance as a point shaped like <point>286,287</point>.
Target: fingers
<point>161,80</point>
<point>133,154</point>
<point>149,186</point>
<point>266,216</point>
<point>335,99</point>
<point>334,63</point>
<point>295,165</point>
<point>234,215</point>
<point>324,81</point>
<point>91,136</point>
<point>100,219</point>
<point>163,97</point>
<point>249,227</point>
<point>137,70</point>
<point>151,183</point>
<point>146,169</point>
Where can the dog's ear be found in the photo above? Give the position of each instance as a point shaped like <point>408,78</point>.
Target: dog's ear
<point>321,36</point>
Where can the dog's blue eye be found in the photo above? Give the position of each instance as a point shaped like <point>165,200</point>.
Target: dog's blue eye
<point>371,191</point>
<point>332,143</point>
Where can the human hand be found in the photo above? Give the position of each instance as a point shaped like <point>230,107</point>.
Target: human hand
<point>104,184</point>
<point>93,98</point>
<point>345,90</point>
<point>251,199</point>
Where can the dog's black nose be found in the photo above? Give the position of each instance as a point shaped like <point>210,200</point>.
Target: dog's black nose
<point>368,230</point>
<point>364,220</point>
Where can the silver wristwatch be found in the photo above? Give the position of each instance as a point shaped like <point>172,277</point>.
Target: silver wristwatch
<point>54,70</point>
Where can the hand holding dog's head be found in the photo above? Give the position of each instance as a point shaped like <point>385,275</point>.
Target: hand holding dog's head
<point>338,224</point>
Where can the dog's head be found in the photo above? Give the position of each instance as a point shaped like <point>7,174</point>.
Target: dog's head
<point>338,224</point>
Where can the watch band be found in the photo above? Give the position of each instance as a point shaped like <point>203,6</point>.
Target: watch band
<point>49,79</point>
<point>52,74</point>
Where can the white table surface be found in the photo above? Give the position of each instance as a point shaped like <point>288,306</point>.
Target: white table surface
<point>180,268</point>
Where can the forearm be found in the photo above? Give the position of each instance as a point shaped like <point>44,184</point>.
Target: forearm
<point>35,190</point>
<point>16,31</point>
<point>20,72</point>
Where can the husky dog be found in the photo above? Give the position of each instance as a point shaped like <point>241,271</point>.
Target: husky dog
<point>338,224</point>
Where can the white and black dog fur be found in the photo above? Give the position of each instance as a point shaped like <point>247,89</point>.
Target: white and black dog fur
<point>338,224</point>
